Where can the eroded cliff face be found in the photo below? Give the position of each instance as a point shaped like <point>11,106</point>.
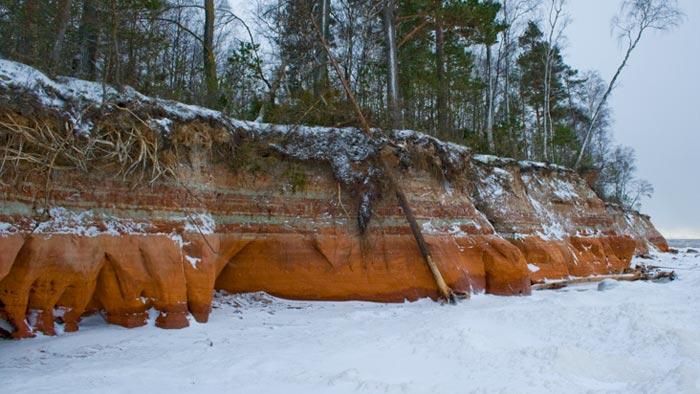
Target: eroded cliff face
<point>116,203</point>
<point>556,220</point>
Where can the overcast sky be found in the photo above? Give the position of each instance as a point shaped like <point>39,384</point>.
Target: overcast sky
<point>656,106</point>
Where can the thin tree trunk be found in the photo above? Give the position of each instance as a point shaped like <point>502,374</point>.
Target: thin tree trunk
<point>506,91</point>
<point>444,290</point>
<point>210,78</point>
<point>29,32</point>
<point>61,25</point>
<point>555,13</point>
<point>611,86</point>
<point>321,77</point>
<point>545,108</point>
<point>395,118</point>
<point>89,33</point>
<point>115,58</point>
<point>272,93</point>
<point>441,107</point>
<point>489,109</point>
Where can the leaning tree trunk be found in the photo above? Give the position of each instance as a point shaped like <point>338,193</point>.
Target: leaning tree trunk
<point>601,103</point>
<point>444,290</point>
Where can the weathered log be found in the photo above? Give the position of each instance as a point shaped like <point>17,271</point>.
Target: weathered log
<point>445,290</point>
<point>629,277</point>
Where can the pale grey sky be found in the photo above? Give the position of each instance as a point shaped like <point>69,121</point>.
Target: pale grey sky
<point>656,106</point>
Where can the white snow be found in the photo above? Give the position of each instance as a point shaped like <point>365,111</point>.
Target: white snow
<point>456,230</point>
<point>85,90</point>
<point>200,223</point>
<point>63,221</point>
<point>194,261</point>
<point>552,227</point>
<point>71,97</point>
<point>453,228</point>
<point>487,159</point>
<point>636,337</point>
<point>523,164</point>
<point>179,241</point>
<point>565,191</point>
<point>533,267</point>
<point>60,220</point>
<point>429,228</point>
<point>493,186</point>
<point>7,228</point>
<point>162,124</point>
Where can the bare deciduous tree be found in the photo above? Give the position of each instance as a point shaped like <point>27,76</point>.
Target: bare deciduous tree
<point>557,20</point>
<point>513,12</point>
<point>394,108</point>
<point>635,18</point>
<point>640,189</point>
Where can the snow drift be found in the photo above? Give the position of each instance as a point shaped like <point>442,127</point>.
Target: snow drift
<point>115,202</point>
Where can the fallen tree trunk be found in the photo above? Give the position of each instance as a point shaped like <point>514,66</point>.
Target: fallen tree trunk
<point>628,277</point>
<point>445,290</point>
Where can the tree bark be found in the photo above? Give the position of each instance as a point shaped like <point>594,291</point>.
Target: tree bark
<point>210,77</point>
<point>89,33</point>
<point>321,75</point>
<point>115,58</point>
<point>61,25</point>
<point>29,32</point>
<point>545,105</point>
<point>444,290</point>
<point>506,89</point>
<point>393,96</point>
<point>629,277</point>
<point>489,109</point>
<point>441,105</point>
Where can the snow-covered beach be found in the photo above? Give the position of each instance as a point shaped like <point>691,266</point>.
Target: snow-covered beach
<point>631,337</point>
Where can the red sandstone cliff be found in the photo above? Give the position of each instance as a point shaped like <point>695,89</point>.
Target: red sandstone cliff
<point>116,203</point>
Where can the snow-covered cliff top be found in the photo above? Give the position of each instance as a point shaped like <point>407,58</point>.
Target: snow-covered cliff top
<point>79,103</point>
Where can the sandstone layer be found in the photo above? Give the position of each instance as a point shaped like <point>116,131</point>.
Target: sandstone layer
<point>116,203</point>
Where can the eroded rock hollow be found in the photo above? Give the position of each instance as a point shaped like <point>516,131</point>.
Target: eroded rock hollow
<point>116,203</point>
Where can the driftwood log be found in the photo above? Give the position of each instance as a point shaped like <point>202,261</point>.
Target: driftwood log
<point>639,273</point>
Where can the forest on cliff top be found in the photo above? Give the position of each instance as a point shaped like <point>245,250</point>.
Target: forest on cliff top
<point>488,74</point>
